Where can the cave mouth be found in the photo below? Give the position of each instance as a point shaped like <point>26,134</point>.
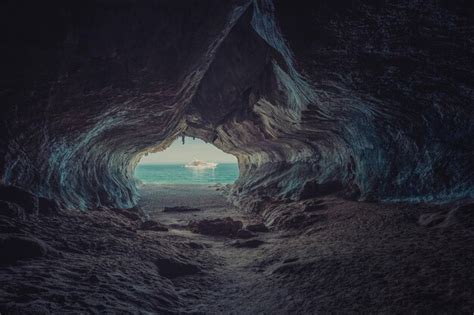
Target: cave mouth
<point>188,160</point>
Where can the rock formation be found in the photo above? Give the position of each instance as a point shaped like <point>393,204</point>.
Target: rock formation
<point>318,100</point>
<point>371,100</point>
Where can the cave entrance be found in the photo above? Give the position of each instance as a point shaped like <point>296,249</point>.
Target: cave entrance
<point>188,161</point>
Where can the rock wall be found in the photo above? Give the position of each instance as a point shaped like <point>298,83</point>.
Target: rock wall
<point>372,100</point>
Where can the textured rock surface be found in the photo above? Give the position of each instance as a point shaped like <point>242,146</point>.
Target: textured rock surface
<point>373,100</point>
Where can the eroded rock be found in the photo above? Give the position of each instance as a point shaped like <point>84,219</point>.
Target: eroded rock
<point>351,124</point>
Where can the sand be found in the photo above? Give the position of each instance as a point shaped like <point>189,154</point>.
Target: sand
<point>333,256</point>
<point>350,257</point>
<point>154,198</point>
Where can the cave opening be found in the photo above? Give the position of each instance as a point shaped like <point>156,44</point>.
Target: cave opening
<point>188,160</point>
<point>352,124</point>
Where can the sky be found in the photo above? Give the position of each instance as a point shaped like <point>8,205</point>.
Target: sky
<point>192,149</point>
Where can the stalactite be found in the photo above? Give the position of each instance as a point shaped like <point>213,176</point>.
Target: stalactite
<point>343,109</point>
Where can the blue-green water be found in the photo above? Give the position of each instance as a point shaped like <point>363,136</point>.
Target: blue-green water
<point>178,174</point>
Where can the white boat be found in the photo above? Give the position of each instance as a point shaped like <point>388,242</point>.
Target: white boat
<point>200,165</point>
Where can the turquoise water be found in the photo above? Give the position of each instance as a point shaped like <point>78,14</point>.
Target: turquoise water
<point>178,174</point>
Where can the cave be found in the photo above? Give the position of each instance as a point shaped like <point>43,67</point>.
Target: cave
<point>351,122</point>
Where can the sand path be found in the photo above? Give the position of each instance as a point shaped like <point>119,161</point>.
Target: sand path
<point>335,255</point>
<point>238,283</point>
<point>356,257</point>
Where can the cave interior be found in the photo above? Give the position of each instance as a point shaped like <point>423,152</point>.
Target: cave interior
<point>351,121</point>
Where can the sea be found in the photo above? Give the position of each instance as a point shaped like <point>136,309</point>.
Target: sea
<point>225,173</point>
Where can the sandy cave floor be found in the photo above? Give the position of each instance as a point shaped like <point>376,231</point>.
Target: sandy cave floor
<point>356,257</point>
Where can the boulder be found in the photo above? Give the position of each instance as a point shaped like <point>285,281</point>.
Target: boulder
<point>14,248</point>
<point>216,227</point>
